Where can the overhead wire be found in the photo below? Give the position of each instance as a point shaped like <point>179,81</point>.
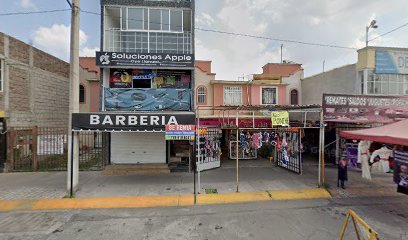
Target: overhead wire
<point>391,31</point>
<point>34,12</point>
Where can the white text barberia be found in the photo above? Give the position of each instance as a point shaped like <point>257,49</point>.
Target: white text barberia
<point>132,120</point>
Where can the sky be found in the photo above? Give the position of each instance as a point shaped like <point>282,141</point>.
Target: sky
<point>331,22</point>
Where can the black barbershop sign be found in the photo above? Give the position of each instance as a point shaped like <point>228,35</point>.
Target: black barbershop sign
<point>168,60</point>
<point>129,122</point>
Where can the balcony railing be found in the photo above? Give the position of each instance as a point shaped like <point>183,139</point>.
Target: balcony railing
<point>147,42</point>
<point>147,99</point>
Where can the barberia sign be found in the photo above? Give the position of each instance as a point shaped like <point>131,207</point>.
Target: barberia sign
<point>108,59</point>
<point>126,122</point>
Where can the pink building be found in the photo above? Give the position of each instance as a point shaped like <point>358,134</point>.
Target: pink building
<point>278,84</point>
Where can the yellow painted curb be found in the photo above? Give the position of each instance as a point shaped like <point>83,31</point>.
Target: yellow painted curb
<point>158,201</point>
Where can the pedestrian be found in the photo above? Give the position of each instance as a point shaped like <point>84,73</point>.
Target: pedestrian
<point>342,175</point>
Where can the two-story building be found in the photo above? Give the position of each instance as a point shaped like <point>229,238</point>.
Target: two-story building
<point>146,78</point>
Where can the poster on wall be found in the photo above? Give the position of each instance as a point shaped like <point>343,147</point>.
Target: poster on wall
<point>147,99</point>
<point>364,109</point>
<point>120,78</point>
<point>401,171</point>
<point>391,62</point>
<point>50,144</point>
<point>180,132</point>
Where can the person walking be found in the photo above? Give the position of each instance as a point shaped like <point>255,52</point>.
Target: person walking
<point>342,174</point>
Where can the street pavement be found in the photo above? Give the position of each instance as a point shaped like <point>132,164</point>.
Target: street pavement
<point>254,176</point>
<point>286,220</point>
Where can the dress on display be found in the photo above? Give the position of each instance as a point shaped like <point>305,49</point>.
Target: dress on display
<point>384,154</point>
<point>364,157</point>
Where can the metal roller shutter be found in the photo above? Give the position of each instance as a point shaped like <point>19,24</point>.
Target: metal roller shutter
<point>138,148</point>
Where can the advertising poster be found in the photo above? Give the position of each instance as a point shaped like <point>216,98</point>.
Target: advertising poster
<point>147,99</point>
<point>391,62</point>
<point>364,109</point>
<point>280,118</point>
<point>180,132</point>
<point>401,171</point>
<point>121,78</point>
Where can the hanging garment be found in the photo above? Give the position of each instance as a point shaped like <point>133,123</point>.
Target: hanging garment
<point>363,157</point>
<point>266,137</point>
<point>284,142</point>
<point>384,154</point>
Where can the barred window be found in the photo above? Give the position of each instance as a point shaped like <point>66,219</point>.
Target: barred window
<point>269,95</point>
<point>201,95</point>
<point>232,95</point>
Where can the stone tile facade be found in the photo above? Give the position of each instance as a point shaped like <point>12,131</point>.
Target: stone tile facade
<point>36,86</point>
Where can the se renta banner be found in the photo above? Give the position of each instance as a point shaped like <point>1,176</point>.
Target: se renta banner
<point>391,62</point>
<point>180,132</point>
<point>364,109</point>
<point>401,171</point>
<point>151,60</point>
<point>280,118</point>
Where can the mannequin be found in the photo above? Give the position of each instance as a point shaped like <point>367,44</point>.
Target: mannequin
<point>364,157</point>
<point>384,154</point>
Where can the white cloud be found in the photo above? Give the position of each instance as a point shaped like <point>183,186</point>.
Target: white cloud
<point>88,52</point>
<point>28,4</point>
<point>56,41</point>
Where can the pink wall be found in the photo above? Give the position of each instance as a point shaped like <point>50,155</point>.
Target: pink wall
<point>219,93</point>
<point>94,96</point>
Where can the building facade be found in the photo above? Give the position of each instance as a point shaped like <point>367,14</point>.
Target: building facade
<point>89,76</point>
<point>147,77</point>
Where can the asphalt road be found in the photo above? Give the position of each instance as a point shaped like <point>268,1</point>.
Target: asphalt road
<point>306,219</point>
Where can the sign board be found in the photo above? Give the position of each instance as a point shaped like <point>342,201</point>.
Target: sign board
<point>391,62</point>
<point>129,122</point>
<point>151,60</point>
<point>50,144</point>
<point>180,132</point>
<point>401,171</point>
<point>364,109</point>
<point>280,118</point>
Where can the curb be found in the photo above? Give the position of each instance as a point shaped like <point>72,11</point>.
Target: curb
<point>159,201</point>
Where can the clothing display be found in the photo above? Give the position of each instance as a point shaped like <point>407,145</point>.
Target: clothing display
<point>384,154</point>
<point>210,145</point>
<point>364,157</point>
<point>288,147</point>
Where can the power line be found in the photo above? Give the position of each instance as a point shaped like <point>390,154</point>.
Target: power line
<point>391,31</point>
<point>277,39</point>
<point>34,12</point>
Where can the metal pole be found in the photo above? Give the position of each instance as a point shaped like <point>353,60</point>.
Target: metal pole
<point>73,149</point>
<point>320,149</point>
<point>237,154</point>
<point>199,152</point>
<point>367,28</point>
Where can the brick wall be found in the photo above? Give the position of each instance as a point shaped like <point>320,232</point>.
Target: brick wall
<point>19,51</point>
<point>19,96</point>
<point>38,87</point>
<point>50,63</point>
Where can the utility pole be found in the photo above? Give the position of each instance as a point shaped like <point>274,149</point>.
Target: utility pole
<point>73,143</point>
<point>281,53</point>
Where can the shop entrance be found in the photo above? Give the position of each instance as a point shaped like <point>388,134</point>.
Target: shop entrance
<point>249,139</point>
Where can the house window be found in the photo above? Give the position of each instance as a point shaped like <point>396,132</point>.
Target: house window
<point>201,95</point>
<point>269,96</point>
<point>232,95</point>
<point>81,94</point>
<point>294,98</point>
<point>1,75</point>
<point>387,84</point>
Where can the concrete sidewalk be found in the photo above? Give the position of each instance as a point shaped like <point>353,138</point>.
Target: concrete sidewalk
<point>255,176</point>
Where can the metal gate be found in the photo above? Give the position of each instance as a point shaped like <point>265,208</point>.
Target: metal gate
<point>45,149</point>
<point>289,154</point>
<point>208,148</point>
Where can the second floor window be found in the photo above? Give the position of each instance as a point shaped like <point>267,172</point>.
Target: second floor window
<point>232,95</point>
<point>269,96</point>
<point>294,98</point>
<point>201,95</point>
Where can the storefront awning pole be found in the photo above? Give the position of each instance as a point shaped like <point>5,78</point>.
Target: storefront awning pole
<point>198,160</point>
<point>237,154</point>
<point>320,149</point>
<point>253,119</point>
